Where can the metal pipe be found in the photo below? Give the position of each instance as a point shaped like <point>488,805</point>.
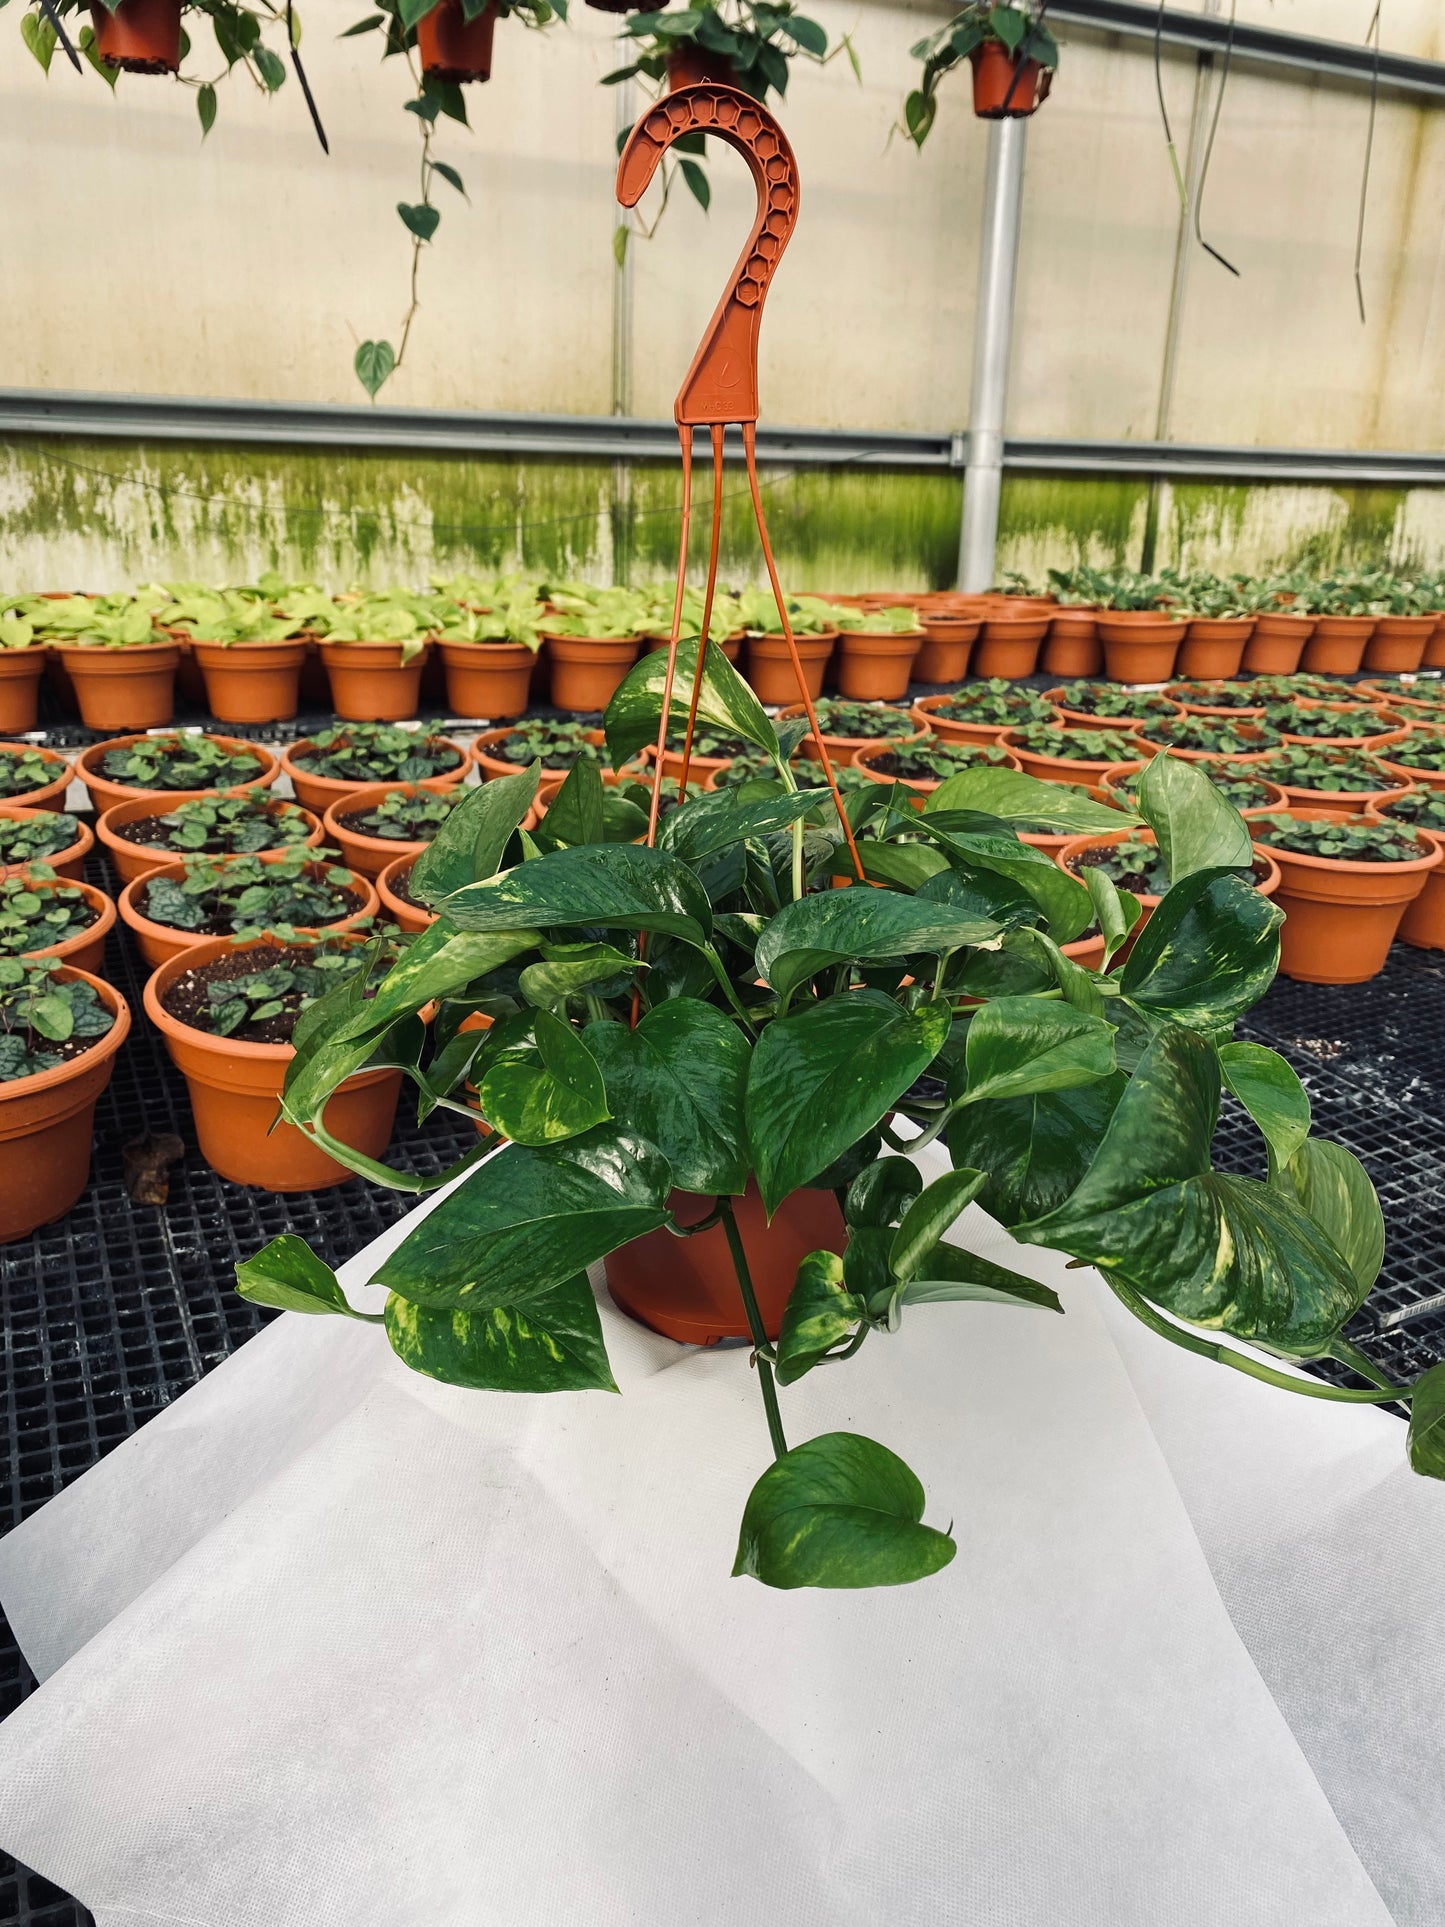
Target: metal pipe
<point>993,334</point>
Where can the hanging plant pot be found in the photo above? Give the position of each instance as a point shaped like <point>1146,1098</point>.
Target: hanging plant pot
<point>235,1086</point>
<point>454,48</point>
<point>686,1288</point>
<point>140,37</point>
<point>251,682</point>
<point>994,68</point>
<point>20,673</point>
<point>691,65</point>
<point>47,1123</point>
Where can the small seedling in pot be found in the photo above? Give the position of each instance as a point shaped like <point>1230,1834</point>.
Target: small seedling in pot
<point>44,1021</point>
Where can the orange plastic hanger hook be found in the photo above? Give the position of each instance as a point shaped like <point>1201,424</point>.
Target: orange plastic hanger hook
<point>721,386</point>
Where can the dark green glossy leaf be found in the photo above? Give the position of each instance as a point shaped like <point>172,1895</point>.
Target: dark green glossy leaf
<point>553,1343</point>
<point>1016,798</point>
<point>288,1273</point>
<point>543,1085</point>
<point>848,1164</point>
<point>866,1271</point>
<point>725,701</point>
<point>569,969</point>
<point>615,886</point>
<point>952,1273</point>
<point>1196,827</point>
<point>928,1217</point>
<point>1217,1250</point>
<point>1019,1046</point>
<point>1335,1190</point>
<point>859,926</point>
<point>473,836</point>
<point>1427,1424</point>
<point>1034,1149</point>
<point>908,866</point>
<point>839,1510</point>
<point>818,1080</point>
<point>1272,1094</point>
<point>820,1313</point>
<point>1063,899</point>
<point>680,1080</point>
<point>718,821</point>
<point>982,895</point>
<point>1208,953</point>
<point>1116,911</point>
<point>882,1193</point>
<point>574,816</point>
<point>527,1219</point>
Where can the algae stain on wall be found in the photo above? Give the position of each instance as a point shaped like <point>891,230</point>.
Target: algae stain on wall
<point>1265,527</point>
<point>1058,521</point>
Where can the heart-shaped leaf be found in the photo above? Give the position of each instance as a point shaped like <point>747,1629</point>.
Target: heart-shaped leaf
<point>538,1082</point>
<point>881,1194</point>
<point>469,845</point>
<point>818,1080</point>
<point>1015,798</point>
<point>287,1273</point>
<point>725,701</point>
<point>929,1216</point>
<point>1427,1424</point>
<point>1271,1092</point>
<point>1019,1046</point>
<point>839,1510</point>
<point>1208,953</point>
<point>1335,1189</point>
<point>1034,1149</point>
<point>1197,828</point>
<point>819,1314</point>
<point>680,1079</point>
<point>551,1344</point>
<point>950,1273</point>
<point>570,969</point>
<point>859,926</point>
<point>615,886</point>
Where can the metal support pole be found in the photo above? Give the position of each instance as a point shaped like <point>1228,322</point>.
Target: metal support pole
<point>993,330</point>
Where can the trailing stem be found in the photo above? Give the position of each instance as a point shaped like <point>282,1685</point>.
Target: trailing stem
<point>755,1326</point>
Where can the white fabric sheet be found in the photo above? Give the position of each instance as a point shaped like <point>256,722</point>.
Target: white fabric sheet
<point>327,1645</point>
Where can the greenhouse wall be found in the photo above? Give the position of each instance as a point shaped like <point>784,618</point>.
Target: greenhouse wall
<point>188,246</point>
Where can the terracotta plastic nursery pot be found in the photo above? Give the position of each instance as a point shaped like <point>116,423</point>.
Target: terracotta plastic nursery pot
<point>453,47</point>
<point>870,667</point>
<point>20,673</point>
<point>1349,735</point>
<point>1341,918</point>
<point>370,683</point>
<point>1276,645</point>
<point>160,941</point>
<point>235,1090</point>
<point>1086,719</point>
<point>1139,645</point>
<point>1180,693</point>
<point>1337,646</point>
<point>1055,769</point>
<point>140,37</point>
<point>770,667</point>
<point>946,646</point>
<point>993,83</point>
<point>1430,779</point>
<point>1397,648</point>
<point>317,792</point>
<point>1423,924</point>
<point>586,670</point>
<point>1009,645</point>
<point>686,1288</point>
<point>1116,777</point>
<point>49,796</point>
<point>130,688</point>
<point>1073,648</point>
<point>104,792</point>
<point>841,748</point>
<point>47,1123</point>
<point>404,914</point>
<point>1339,802</point>
<point>1434,657</point>
<point>251,682</point>
<point>919,787</point>
<point>86,949</point>
<point>489,679</point>
<point>925,713</point>
<point>1420,709</point>
<point>1214,647</point>
<point>130,860</point>
<point>1266,870</point>
<point>69,862</point>
<point>369,855</point>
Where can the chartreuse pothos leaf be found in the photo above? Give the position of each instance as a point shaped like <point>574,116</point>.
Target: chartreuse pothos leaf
<point>1208,953</point>
<point>929,1216</point>
<point>818,1080</point>
<point>619,886</point>
<point>570,969</point>
<point>820,1313</point>
<point>528,1218</point>
<point>680,1079</point>
<point>1015,798</point>
<point>541,1083</point>
<point>840,1510</point>
<point>1197,828</point>
<point>1018,1046</point>
<point>1271,1092</point>
<point>725,701</point>
<point>287,1273</point>
<point>1034,1149</point>
<point>551,1344</point>
<point>473,836</point>
<point>1334,1188</point>
<point>950,1273</point>
<point>1427,1424</point>
<point>859,926</point>
<point>1220,1251</point>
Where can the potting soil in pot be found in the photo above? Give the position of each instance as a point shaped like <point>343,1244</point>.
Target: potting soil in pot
<point>254,996</point>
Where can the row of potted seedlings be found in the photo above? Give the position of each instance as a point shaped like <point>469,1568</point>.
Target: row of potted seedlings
<point>205,851</point>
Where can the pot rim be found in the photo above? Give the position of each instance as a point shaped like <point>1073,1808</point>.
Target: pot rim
<point>168,933</point>
<point>157,802</point>
<point>94,932</point>
<point>72,853</point>
<point>96,1053</point>
<point>443,779</point>
<point>1343,866</point>
<point>98,784</point>
<point>206,952</point>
